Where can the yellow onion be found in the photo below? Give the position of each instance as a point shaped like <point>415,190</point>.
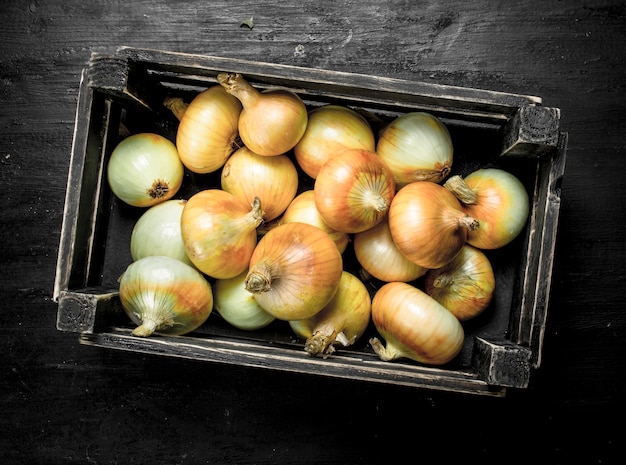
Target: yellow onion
<point>498,200</point>
<point>294,271</point>
<point>302,209</point>
<point>157,232</point>
<point>237,306</point>
<point>353,191</point>
<point>144,169</point>
<point>465,286</point>
<point>274,180</point>
<point>380,257</point>
<point>330,130</point>
<point>417,147</point>
<point>271,122</point>
<point>164,295</point>
<point>207,133</point>
<point>219,232</point>
<point>427,224</point>
<point>414,326</point>
<point>343,320</point>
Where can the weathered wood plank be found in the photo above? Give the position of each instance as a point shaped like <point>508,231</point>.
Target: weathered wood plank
<point>141,75</point>
<point>528,325</point>
<point>355,366</point>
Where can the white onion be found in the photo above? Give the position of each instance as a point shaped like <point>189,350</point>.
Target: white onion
<point>145,169</point>
<point>237,306</point>
<point>157,232</point>
<point>417,147</point>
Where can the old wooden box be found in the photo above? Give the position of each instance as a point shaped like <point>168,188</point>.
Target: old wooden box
<point>124,91</point>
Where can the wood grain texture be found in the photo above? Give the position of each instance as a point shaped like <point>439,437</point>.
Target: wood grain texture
<point>67,403</point>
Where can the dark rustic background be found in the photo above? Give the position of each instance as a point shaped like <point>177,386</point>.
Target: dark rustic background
<point>61,402</point>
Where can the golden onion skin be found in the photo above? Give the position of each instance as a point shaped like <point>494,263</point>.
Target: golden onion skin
<point>414,326</point>
<point>465,286</point>
<point>330,130</point>
<point>219,232</point>
<point>164,295</point>
<point>343,320</point>
<point>208,130</point>
<point>294,271</point>
<point>498,200</point>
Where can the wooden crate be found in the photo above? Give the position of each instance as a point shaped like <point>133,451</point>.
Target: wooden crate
<point>123,92</point>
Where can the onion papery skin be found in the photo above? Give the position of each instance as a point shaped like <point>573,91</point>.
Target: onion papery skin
<point>353,191</point>
<point>427,224</point>
<point>498,200</point>
<point>330,130</point>
<point>274,180</point>
<point>379,256</point>
<point>208,130</point>
<point>237,306</point>
<point>157,232</point>
<point>302,209</point>
<point>271,122</point>
<point>294,271</point>
<point>219,232</point>
<point>414,326</point>
<point>144,170</point>
<point>465,286</point>
<point>342,321</point>
<point>417,147</point>
<point>164,295</point>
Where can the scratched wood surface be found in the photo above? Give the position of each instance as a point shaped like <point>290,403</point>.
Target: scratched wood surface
<point>62,402</point>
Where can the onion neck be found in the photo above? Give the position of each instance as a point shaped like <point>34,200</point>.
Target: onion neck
<point>375,201</point>
<point>462,191</point>
<point>386,354</point>
<point>146,328</point>
<point>236,85</point>
<point>436,175</point>
<point>257,213</point>
<point>176,105</point>
<point>321,343</point>
<point>468,222</point>
<point>259,279</point>
<point>443,280</point>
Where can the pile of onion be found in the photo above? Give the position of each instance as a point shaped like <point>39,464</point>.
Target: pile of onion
<point>384,194</point>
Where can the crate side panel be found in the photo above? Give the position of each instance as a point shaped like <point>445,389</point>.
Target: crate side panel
<point>528,326</point>
<point>83,206</point>
<point>275,357</point>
